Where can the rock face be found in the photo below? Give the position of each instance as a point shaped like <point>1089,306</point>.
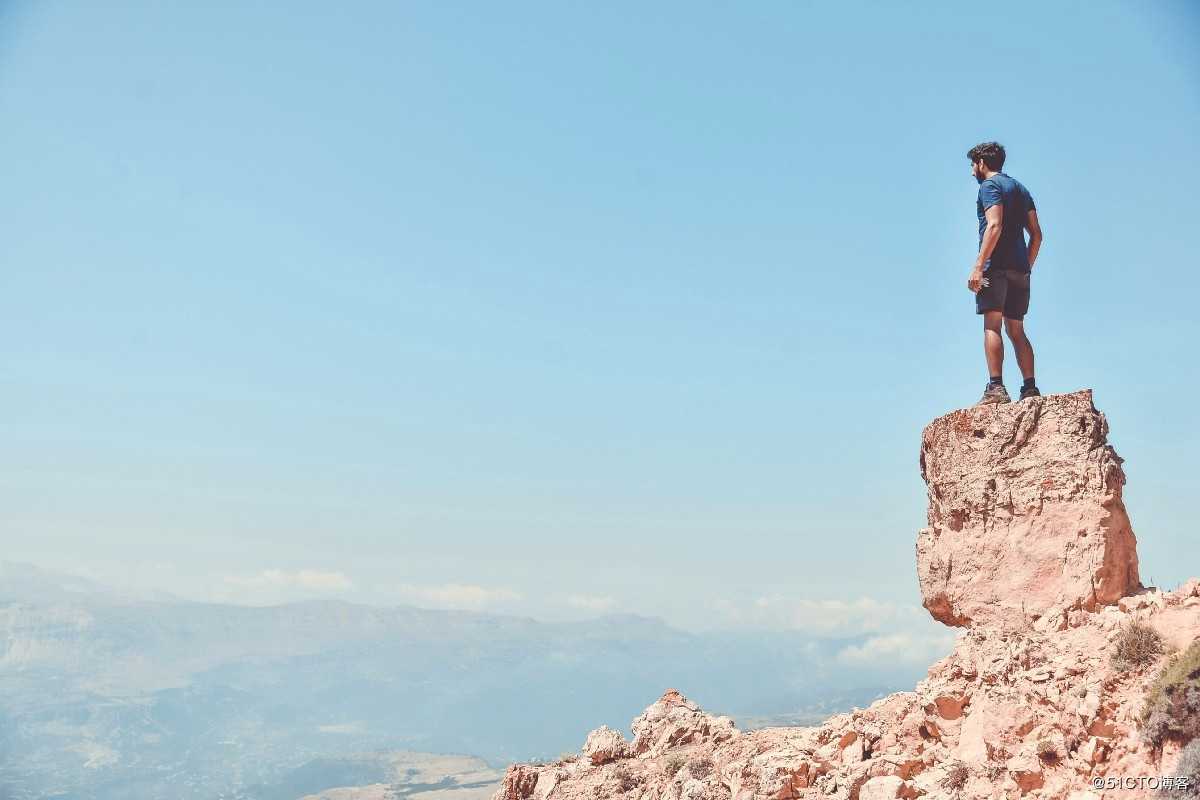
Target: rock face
<point>1026,522</point>
<point>1024,499</point>
<point>673,721</point>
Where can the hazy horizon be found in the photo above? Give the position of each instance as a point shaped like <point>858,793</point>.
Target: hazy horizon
<point>105,697</point>
<point>904,633</point>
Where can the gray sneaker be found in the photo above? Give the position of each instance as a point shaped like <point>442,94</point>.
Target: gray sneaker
<point>994,393</point>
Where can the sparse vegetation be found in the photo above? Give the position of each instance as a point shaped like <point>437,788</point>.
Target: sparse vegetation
<point>1047,751</point>
<point>1137,645</point>
<point>995,771</point>
<point>700,767</point>
<point>672,765</point>
<point>957,777</point>
<point>568,758</point>
<point>626,779</point>
<point>1188,767</point>
<point>1172,709</point>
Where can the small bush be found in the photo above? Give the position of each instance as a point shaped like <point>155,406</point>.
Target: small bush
<point>626,779</point>
<point>1137,645</point>
<point>700,767</point>
<point>1172,709</point>
<point>672,765</point>
<point>956,778</point>
<point>1047,751</point>
<point>568,758</point>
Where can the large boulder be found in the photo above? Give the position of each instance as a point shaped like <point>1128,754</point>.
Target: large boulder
<point>604,745</point>
<point>1026,521</point>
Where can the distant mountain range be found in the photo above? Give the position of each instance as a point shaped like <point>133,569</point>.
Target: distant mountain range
<point>105,696</point>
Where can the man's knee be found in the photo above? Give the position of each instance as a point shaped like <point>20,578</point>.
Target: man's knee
<point>992,320</point>
<point>1015,329</point>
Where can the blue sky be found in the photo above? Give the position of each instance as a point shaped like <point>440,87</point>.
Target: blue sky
<point>565,308</point>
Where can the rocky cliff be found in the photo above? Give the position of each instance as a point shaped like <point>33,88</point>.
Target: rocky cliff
<point>1028,549</point>
<point>1026,522</point>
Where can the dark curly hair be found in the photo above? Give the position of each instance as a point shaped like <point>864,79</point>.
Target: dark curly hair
<point>991,153</point>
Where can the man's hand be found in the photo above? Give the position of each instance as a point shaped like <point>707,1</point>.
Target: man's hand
<point>976,281</point>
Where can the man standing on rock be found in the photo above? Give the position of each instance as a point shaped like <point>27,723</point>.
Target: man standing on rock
<point>1000,276</point>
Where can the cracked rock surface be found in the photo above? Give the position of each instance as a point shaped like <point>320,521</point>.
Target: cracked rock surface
<point>1026,521</point>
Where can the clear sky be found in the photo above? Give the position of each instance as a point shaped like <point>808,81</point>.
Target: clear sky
<point>559,308</point>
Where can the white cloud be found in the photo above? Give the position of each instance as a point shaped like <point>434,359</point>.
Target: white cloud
<point>842,617</point>
<point>902,647</point>
<point>462,596</point>
<point>306,579</point>
<point>588,602</point>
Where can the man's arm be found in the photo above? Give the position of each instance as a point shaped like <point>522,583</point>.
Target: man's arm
<point>994,217</point>
<point>1035,235</point>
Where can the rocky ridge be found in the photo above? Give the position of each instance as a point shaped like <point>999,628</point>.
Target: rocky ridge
<point>1029,549</point>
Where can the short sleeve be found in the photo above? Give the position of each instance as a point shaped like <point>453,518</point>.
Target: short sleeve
<point>1029,201</point>
<point>989,195</point>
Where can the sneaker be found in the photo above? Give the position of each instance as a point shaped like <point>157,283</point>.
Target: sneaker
<point>1030,391</point>
<point>994,393</point>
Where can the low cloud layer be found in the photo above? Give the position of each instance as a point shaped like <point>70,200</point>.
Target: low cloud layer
<point>596,603</point>
<point>902,647</point>
<point>460,596</point>
<point>827,616</point>
<point>314,579</point>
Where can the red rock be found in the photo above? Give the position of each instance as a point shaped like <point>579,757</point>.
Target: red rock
<point>949,707</point>
<point>1026,771</point>
<point>520,781</point>
<point>1025,513</point>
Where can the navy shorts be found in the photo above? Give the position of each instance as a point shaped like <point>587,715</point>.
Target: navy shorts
<point>1007,291</point>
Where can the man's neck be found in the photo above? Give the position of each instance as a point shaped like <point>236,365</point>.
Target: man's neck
<point>987,173</point>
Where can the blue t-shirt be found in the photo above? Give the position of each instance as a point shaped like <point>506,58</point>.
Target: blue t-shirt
<point>1010,251</point>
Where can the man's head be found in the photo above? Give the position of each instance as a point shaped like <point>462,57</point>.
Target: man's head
<point>986,157</point>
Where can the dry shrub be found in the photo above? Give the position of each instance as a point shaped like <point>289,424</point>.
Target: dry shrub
<point>1137,645</point>
<point>1172,709</point>
<point>672,765</point>
<point>626,779</point>
<point>957,777</point>
<point>700,767</point>
<point>1047,751</point>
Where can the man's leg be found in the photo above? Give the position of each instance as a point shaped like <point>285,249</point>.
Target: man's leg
<point>993,345</point>
<point>989,303</point>
<point>1016,334</point>
<point>1016,305</point>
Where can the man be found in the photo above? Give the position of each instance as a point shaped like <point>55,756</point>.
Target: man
<point>1000,276</point>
